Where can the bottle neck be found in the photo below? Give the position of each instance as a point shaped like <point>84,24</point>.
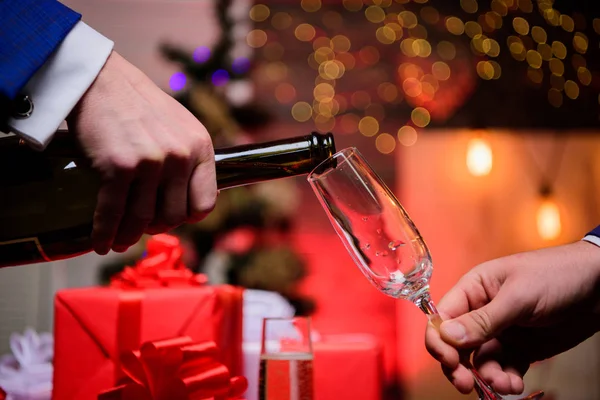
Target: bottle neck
<point>235,166</point>
<point>246,164</point>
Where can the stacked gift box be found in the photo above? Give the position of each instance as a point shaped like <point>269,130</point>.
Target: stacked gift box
<point>159,331</point>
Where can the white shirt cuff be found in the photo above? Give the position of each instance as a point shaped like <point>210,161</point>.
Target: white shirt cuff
<point>57,86</point>
<point>592,239</point>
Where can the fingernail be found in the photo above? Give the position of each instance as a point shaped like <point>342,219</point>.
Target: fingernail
<point>454,330</point>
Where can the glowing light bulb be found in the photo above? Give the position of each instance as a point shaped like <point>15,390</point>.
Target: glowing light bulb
<point>479,157</point>
<point>548,220</point>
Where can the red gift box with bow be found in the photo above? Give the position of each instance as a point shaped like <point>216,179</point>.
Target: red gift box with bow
<point>156,299</point>
<point>176,369</point>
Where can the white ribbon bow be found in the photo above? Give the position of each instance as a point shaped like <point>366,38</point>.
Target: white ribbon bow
<point>26,374</point>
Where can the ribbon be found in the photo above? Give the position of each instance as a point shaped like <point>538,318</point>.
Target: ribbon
<point>27,372</point>
<point>2,394</point>
<point>176,369</point>
<point>162,267</point>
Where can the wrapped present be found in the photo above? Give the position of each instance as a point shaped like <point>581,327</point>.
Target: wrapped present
<point>176,369</point>
<point>26,373</point>
<point>156,299</point>
<point>338,360</point>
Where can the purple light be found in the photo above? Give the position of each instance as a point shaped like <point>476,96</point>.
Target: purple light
<point>177,81</point>
<point>201,54</point>
<point>240,65</point>
<point>220,77</point>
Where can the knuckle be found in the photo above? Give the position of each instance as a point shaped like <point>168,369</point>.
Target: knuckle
<point>118,166</point>
<point>483,321</point>
<point>179,153</point>
<point>203,147</point>
<point>203,207</point>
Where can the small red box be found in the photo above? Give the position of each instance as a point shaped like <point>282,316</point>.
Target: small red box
<point>93,326</point>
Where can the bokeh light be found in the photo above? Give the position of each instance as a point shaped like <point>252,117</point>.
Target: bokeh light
<point>353,5</point>
<point>240,65</point>
<point>420,117</point>
<point>446,50</point>
<point>285,92</point>
<point>374,14</point>
<point>556,66</point>
<point>584,75</point>
<point>310,5</point>
<point>387,92</point>
<point>571,89</point>
<point>534,59</point>
<point>539,34</point>
<point>407,135</point>
<point>385,143</point>
<point>201,54</point>
<point>177,81</point>
<point>324,92</point>
<point>305,32</point>
<point>469,6</point>
<point>368,126</point>
<point>440,70</point>
<point>555,97</point>
<point>521,26</point>
<point>301,111</point>
<point>407,19</point>
<point>340,44</point>
<point>455,25</point>
<point>281,21</point>
<point>220,77</point>
<point>580,42</point>
<point>259,12</point>
<point>256,38</point>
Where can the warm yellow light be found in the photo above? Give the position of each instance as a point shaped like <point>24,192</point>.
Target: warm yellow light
<point>548,220</point>
<point>479,157</point>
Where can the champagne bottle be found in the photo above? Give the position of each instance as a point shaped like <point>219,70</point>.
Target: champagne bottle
<point>47,199</point>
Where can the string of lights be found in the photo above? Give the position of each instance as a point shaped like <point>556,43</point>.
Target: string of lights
<point>371,57</point>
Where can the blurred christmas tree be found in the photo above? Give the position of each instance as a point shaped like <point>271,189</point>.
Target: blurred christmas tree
<point>244,241</point>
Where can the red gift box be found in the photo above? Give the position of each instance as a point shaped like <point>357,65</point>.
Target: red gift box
<point>348,367</point>
<point>158,299</point>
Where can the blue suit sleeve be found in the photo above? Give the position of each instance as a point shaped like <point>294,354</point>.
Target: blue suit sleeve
<point>594,232</point>
<point>30,31</point>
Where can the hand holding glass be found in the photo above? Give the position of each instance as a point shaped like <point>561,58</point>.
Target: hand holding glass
<point>380,237</point>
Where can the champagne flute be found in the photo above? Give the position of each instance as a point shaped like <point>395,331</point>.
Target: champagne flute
<point>286,359</point>
<point>381,238</point>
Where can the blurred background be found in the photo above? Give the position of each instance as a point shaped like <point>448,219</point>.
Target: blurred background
<point>481,115</point>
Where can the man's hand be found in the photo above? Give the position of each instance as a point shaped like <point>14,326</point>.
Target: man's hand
<point>155,159</point>
<point>516,310</point>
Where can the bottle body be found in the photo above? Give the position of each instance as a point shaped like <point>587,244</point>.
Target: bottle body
<point>47,199</point>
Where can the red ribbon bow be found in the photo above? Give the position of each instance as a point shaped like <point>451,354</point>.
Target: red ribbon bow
<point>163,266</point>
<point>176,369</point>
<point>2,394</point>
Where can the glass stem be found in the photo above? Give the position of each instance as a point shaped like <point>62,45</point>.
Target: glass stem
<point>425,304</point>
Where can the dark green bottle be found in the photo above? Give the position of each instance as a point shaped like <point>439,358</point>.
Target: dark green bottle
<point>47,199</point>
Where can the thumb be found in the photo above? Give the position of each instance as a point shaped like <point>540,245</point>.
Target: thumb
<point>478,326</point>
